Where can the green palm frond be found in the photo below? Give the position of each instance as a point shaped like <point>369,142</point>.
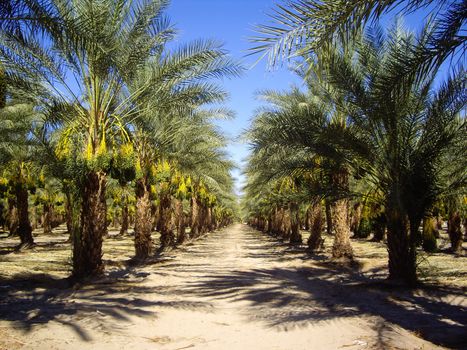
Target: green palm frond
<point>305,26</point>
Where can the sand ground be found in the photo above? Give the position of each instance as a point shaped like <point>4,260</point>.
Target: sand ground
<point>234,289</point>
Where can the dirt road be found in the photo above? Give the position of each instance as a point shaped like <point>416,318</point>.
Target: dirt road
<point>235,289</point>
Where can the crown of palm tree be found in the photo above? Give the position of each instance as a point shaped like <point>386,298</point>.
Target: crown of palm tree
<point>301,27</point>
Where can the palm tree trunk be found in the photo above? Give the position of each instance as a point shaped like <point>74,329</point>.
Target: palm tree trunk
<point>329,227</point>
<point>402,260</point>
<point>454,231</point>
<point>295,236</point>
<point>87,252</point>
<point>195,209</point>
<point>317,223</point>
<point>341,247</point>
<point>24,226</point>
<point>308,215</point>
<point>12,216</point>
<point>125,221</point>
<point>143,220</point>
<point>155,213</point>
<point>286,225</point>
<point>158,218</point>
<point>2,217</point>
<point>429,243</point>
<point>275,221</point>
<point>269,226</point>
<point>47,221</point>
<point>340,212</point>
<point>209,219</point>
<point>356,217</point>
<point>379,227</point>
<point>282,222</point>
<point>201,218</point>
<point>265,225</point>
<point>68,213</point>
<point>167,233</point>
<point>180,221</point>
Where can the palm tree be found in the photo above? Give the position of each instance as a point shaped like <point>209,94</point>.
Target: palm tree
<point>89,50</point>
<point>302,27</point>
<point>202,159</point>
<point>453,183</point>
<point>104,78</point>
<point>303,123</point>
<point>168,112</point>
<point>398,130</point>
<point>48,194</point>
<point>401,129</point>
<point>16,145</point>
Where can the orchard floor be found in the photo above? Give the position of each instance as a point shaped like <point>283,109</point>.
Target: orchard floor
<point>233,289</point>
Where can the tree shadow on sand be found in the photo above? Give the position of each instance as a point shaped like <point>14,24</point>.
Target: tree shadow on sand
<point>288,298</point>
<point>104,304</point>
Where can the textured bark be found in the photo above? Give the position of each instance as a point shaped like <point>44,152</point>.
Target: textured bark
<point>180,222</point>
<point>402,258</point>
<point>2,217</point>
<point>316,227</point>
<point>158,218</point>
<point>356,217</point>
<point>286,228</point>
<point>47,218</point>
<point>204,219</point>
<point>340,212</point>
<point>282,223</point>
<point>68,214</point>
<point>87,252</point>
<point>209,219</point>
<point>167,227</point>
<point>194,232</point>
<point>269,226</point>
<point>143,220</point>
<point>125,220</point>
<point>34,223</point>
<point>329,227</point>
<point>265,226</point>
<point>275,221</point>
<point>454,231</point>
<point>24,225</point>
<point>307,223</point>
<point>341,247</point>
<point>295,236</point>
<point>12,216</point>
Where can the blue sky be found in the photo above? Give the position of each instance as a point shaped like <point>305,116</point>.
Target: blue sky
<point>232,22</point>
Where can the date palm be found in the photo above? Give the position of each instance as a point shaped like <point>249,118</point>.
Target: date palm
<point>169,118</point>
<point>16,162</point>
<point>300,125</point>
<point>200,156</point>
<point>402,129</point>
<point>301,27</point>
<point>85,53</point>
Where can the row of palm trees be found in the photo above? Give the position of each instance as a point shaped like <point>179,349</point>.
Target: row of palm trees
<point>373,126</point>
<point>96,95</point>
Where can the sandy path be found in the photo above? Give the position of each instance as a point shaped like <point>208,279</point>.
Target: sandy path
<point>235,289</point>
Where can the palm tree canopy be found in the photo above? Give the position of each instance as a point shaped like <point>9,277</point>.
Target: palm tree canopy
<point>304,26</point>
